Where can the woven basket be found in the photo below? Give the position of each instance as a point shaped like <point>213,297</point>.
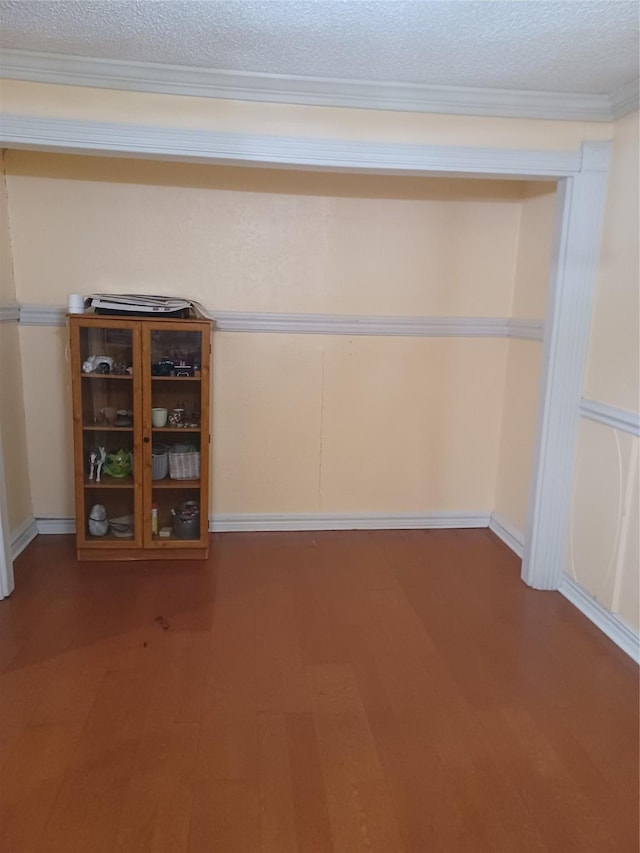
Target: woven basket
<point>159,462</point>
<point>184,466</point>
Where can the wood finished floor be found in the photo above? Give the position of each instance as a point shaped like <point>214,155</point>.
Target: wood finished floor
<point>352,691</point>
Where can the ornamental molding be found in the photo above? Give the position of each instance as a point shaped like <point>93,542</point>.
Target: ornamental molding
<point>609,623</point>
<point>625,100</point>
<point>203,146</point>
<point>611,416</point>
<point>336,324</point>
<point>314,91</point>
<point>9,312</point>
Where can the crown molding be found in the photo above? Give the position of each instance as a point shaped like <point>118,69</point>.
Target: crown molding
<point>611,416</point>
<point>309,91</point>
<point>201,146</point>
<point>625,100</point>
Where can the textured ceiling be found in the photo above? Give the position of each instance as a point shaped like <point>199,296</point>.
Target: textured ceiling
<point>564,46</point>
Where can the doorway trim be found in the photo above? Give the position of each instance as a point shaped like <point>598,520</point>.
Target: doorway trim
<point>582,177</point>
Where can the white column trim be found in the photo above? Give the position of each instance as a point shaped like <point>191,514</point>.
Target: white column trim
<point>574,263</point>
<point>7,582</point>
<point>611,416</point>
<point>95,137</point>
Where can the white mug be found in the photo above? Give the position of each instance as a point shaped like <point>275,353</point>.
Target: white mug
<point>159,417</point>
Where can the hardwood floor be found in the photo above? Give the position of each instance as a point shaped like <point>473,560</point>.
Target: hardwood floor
<point>393,691</point>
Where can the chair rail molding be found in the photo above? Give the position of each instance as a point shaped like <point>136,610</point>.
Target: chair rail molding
<point>336,324</point>
<point>578,230</point>
<point>611,416</point>
<point>9,312</point>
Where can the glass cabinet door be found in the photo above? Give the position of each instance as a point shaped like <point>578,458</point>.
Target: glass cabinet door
<point>108,409</point>
<point>176,419</point>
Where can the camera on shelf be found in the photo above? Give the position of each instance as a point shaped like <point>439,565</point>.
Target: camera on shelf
<point>171,367</point>
<point>164,367</point>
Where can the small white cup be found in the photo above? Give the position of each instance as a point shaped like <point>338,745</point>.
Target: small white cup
<point>159,417</point>
<point>76,303</point>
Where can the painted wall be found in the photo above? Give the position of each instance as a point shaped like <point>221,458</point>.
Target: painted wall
<point>301,423</point>
<point>522,384</point>
<point>12,419</point>
<point>74,102</point>
<point>296,365</point>
<point>603,553</point>
<point>262,240</point>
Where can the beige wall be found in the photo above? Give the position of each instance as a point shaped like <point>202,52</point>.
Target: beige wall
<point>338,424</point>
<point>71,102</point>
<point>12,422</point>
<point>613,363</point>
<point>522,383</point>
<point>309,441</point>
<point>262,240</point>
<point>603,552</point>
<point>329,424</point>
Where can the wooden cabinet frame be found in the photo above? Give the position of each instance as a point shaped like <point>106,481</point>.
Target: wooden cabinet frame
<point>144,545</point>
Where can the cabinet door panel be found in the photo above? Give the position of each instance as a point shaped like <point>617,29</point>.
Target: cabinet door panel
<point>107,386</point>
<point>176,424</point>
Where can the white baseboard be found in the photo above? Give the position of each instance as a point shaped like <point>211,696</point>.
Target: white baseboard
<point>56,525</point>
<point>621,634</point>
<point>22,536</point>
<point>228,523</point>
<point>345,521</point>
<point>504,530</point>
<point>618,631</point>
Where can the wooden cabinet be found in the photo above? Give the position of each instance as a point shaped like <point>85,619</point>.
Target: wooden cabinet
<point>141,437</point>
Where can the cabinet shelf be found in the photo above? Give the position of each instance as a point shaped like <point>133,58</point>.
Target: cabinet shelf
<point>98,428</point>
<point>107,482</point>
<point>177,430</point>
<point>107,376</point>
<point>168,483</point>
<point>176,378</point>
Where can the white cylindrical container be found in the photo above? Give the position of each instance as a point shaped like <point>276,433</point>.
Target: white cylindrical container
<point>76,303</point>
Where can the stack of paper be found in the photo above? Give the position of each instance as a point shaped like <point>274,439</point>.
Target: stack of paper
<point>138,303</point>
